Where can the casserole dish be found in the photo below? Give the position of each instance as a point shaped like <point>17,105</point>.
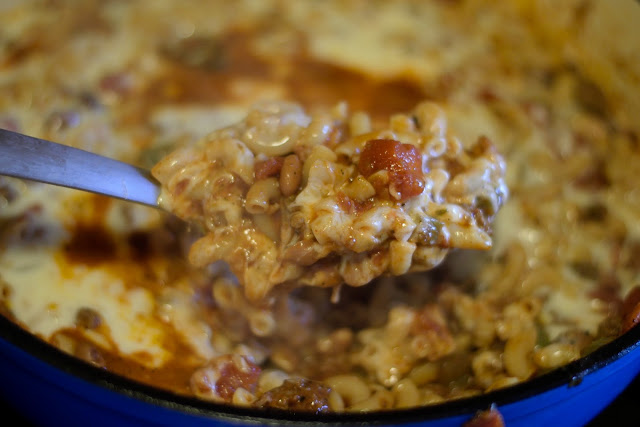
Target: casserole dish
<point>101,308</point>
<point>49,387</point>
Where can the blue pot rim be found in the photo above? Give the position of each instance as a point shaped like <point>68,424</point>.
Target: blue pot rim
<point>567,375</point>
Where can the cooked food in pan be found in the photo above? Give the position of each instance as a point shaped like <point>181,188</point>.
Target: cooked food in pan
<point>324,200</point>
<point>315,144</point>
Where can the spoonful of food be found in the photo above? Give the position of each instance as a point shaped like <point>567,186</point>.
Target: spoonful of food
<point>289,198</point>
<point>26,157</point>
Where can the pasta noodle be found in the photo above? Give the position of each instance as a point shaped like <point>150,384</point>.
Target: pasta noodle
<point>351,388</point>
<point>360,210</point>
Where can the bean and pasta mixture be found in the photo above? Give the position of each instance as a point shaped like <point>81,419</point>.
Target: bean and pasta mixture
<point>323,200</point>
<point>311,144</point>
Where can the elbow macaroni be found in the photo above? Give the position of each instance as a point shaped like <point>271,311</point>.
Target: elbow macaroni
<point>362,226</point>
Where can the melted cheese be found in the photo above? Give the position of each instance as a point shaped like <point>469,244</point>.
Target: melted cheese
<point>47,299</point>
<point>48,292</point>
<point>570,309</point>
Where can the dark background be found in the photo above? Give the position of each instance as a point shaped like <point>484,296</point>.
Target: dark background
<point>623,412</point>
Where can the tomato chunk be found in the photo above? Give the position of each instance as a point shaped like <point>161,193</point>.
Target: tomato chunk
<point>402,161</point>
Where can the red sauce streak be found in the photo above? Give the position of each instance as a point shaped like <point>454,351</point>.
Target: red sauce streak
<point>90,245</point>
<point>402,161</point>
<point>203,70</point>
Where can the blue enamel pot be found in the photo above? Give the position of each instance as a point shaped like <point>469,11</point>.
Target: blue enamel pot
<point>49,387</point>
